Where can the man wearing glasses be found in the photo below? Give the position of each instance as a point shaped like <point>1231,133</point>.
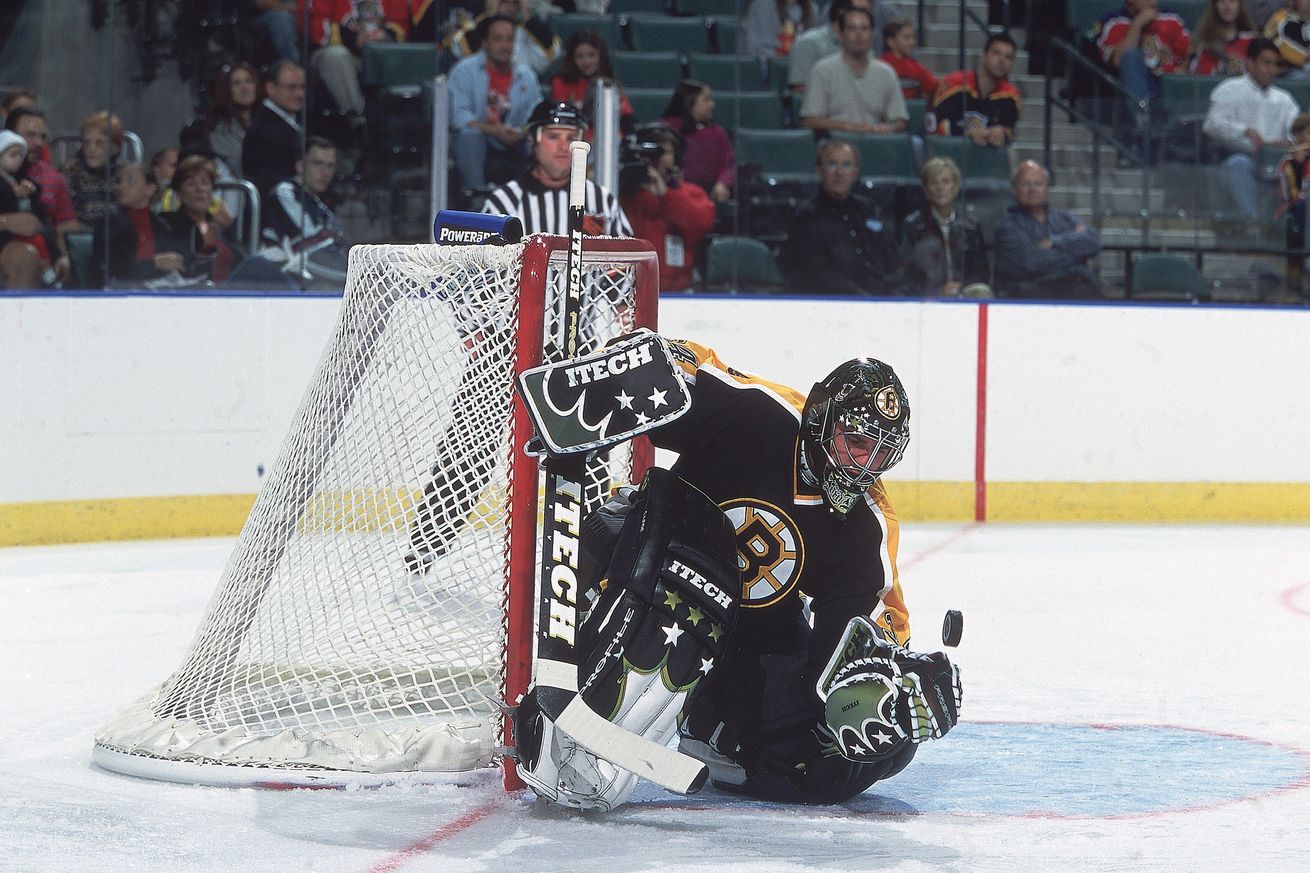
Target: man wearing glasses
<point>838,243</point>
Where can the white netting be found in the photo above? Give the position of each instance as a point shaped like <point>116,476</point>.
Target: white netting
<point>360,624</point>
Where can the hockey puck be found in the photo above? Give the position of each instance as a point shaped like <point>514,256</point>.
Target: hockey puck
<point>952,627</point>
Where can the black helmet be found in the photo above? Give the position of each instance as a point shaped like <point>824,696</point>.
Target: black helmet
<point>855,427</point>
<point>559,114</point>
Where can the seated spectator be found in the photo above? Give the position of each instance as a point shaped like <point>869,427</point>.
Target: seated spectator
<point>821,40</point>
<point>770,27</point>
<point>1043,252</point>
<point>1289,28</point>
<point>917,81</point>
<point>341,29</point>
<point>979,104</point>
<point>301,233</point>
<point>1294,181</point>
<point>24,254</point>
<point>1248,113</point>
<point>1219,44</point>
<point>1140,42</point>
<point>852,91</point>
<point>19,98</point>
<point>535,44</point>
<point>271,146</point>
<point>709,159</point>
<point>837,243</point>
<point>206,254</point>
<point>137,245</point>
<point>230,112</point>
<point>89,174</point>
<point>51,198</point>
<point>586,62</point>
<point>491,98</point>
<point>162,166</point>
<point>171,200</point>
<point>539,198</point>
<point>670,213</point>
<point>942,250</point>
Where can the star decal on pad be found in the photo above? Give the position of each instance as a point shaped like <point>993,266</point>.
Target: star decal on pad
<point>671,634</point>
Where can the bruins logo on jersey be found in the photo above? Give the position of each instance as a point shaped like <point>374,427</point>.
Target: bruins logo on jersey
<point>769,550</point>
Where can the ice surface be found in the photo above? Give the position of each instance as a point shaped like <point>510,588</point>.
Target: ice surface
<point>1136,699</point>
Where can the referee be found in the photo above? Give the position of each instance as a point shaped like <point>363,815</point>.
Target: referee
<point>540,197</point>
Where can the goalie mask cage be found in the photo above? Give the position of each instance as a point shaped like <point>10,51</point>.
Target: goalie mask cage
<point>323,657</point>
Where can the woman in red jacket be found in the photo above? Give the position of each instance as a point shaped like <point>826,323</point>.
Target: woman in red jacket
<point>672,214</point>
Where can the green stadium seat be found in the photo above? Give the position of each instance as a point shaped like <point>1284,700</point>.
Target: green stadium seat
<point>1081,15</point>
<point>776,151</point>
<point>397,64</point>
<point>885,156</point>
<point>647,69</point>
<point>1167,277</point>
<point>568,24</point>
<point>723,31</point>
<point>727,8</point>
<point>85,274</point>
<point>653,34</point>
<point>741,263</point>
<point>659,7</point>
<point>737,109</point>
<point>982,167</point>
<point>917,107</point>
<point>727,72</point>
<point>648,103</point>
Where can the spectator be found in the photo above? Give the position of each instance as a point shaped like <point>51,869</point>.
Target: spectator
<point>341,29</point>
<point>917,81</point>
<point>230,112</point>
<point>89,174</point>
<point>491,98</point>
<point>1043,252</point>
<point>1289,28</point>
<point>709,159</point>
<point>1140,41</point>
<point>21,259</point>
<point>853,91</point>
<point>274,23</point>
<point>670,213</point>
<point>837,243</point>
<point>535,44</point>
<point>587,62</point>
<point>942,250</point>
<point>1224,32</point>
<point>162,166</point>
<point>1294,180</point>
<point>770,27</point>
<point>980,104</point>
<point>136,244</point>
<point>301,232</point>
<point>271,146</point>
<point>822,40</point>
<point>55,206</point>
<point>19,98</point>
<point>205,252</point>
<point>1248,113</point>
<point>540,197</point>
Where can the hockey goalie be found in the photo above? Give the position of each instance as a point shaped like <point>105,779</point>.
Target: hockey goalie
<point>746,599</point>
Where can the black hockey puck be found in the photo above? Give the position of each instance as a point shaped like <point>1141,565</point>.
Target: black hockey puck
<point>952,627</point>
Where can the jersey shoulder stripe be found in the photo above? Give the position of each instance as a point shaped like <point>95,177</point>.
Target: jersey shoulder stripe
<point>693,358</point>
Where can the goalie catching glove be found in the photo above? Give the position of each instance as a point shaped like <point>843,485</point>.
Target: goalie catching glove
<point>659,566</point>
<point>879,695</point>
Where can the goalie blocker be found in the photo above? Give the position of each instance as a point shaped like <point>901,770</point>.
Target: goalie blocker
<point>658,586</point>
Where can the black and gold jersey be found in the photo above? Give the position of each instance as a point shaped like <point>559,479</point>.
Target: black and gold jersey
<point>740,444</point>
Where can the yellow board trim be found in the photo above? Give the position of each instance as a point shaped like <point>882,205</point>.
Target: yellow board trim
<point>74,521</point>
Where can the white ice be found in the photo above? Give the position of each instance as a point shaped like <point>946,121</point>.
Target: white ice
<point>1136,699</point>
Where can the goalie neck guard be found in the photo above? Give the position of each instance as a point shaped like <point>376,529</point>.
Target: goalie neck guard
<point>854,427</point>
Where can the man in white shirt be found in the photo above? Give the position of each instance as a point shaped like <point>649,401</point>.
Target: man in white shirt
<point>853,91</point>
<point>823,40</point>
<point>1247,113</point>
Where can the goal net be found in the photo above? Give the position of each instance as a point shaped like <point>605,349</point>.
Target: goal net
<point>376,615</point>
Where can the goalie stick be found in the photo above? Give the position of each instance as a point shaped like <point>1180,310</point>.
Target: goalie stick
<point>557,658</point>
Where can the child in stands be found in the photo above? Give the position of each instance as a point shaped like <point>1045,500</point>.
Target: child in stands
<point>916,80</point>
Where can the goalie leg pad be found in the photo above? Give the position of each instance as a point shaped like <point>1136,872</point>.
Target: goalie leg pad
<point>667,606</point>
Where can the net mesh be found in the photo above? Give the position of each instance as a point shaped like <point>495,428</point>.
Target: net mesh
<point>360,623</point>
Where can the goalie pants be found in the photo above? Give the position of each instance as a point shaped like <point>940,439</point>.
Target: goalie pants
<point>765,706</point>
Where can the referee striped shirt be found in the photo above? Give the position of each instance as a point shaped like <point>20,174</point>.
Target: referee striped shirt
<point>546,210</point>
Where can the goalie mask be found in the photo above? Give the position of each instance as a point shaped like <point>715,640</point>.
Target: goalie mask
<point>855,427</point>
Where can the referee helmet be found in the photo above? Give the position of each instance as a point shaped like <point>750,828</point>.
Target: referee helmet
<point>558,114</point>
